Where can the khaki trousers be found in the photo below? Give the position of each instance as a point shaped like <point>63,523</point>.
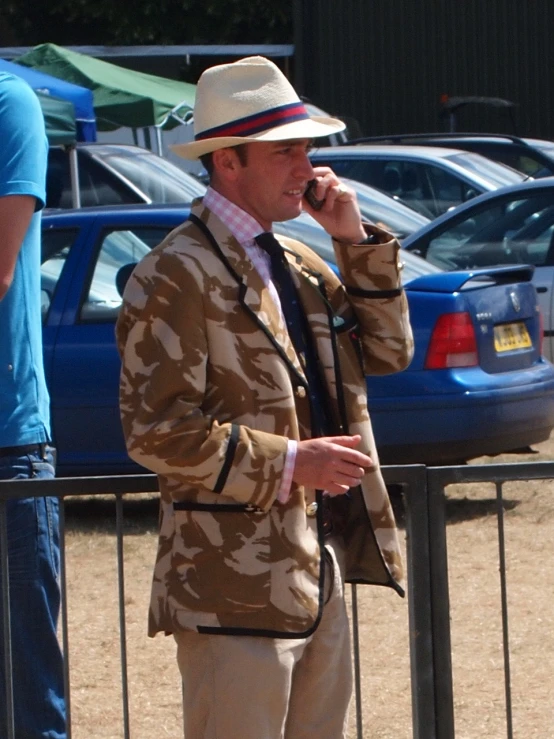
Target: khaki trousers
<point>246,687</point>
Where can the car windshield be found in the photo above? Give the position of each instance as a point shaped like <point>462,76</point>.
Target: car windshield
<point>159,179</point>
<point>498,174</point>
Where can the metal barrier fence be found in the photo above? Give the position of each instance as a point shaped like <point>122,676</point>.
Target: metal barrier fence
<point>429,612</point>
<point>62,488</point>
<point>427,575</point>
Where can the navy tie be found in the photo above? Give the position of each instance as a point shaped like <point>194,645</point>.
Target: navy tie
<point>282,279</point>
<point>334,510</point>
<point>299,333</point>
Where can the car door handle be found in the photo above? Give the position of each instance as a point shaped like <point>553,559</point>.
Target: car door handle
<point>542,289</point>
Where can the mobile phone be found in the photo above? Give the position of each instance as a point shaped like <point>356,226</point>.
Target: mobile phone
<point>311,198</point>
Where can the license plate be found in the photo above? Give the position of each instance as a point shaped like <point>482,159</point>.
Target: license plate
<point>510,336</point>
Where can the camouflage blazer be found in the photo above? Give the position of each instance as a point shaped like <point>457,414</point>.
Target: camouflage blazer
<point>211,389</point>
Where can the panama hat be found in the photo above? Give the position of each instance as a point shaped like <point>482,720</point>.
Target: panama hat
<point>249,100</point>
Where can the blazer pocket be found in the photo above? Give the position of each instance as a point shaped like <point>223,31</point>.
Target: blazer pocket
<point>341,325</point>
<point>351,328</point>
<point>220,559</point>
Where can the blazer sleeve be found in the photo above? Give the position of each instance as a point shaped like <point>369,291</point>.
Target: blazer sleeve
<point>162,340</point>
<point>373,288</point>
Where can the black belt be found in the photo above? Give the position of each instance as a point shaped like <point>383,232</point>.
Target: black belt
<point>18,451</point>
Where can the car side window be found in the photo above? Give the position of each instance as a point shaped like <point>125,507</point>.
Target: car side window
<point>410,183</point>
<point>415,189</point>
<point>55,247</point>
<point>512,232</point>
<point>99,187</point>
<point>119,251</point>
<point>341,167</point>
<point>406,181</point>
<point>447,189</point>
<point>96,185</point>
<point>378,173</point>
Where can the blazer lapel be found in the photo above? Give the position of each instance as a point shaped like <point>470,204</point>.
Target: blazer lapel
<point>253,295</point>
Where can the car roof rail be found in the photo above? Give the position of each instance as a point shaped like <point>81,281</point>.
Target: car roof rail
<point>404,137</point>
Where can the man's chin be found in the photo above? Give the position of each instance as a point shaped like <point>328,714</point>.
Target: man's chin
<point>289,214</point>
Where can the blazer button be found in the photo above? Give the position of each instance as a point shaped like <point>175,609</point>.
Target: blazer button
<point>301,391</point>
<point>311,510</point>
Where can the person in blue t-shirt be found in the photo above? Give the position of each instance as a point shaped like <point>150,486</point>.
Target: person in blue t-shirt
<point>25,452</point>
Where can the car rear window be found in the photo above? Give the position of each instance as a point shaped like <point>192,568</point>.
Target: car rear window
<point>496,173</point>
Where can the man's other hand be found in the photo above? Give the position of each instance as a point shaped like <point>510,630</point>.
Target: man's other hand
<point>330,463</point>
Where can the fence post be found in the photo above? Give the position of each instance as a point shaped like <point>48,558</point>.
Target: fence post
<point>419,604</point>
<point>440,606</point>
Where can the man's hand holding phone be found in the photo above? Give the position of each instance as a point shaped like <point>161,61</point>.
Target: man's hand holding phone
<point>334,206</point>
<point>311,197</point>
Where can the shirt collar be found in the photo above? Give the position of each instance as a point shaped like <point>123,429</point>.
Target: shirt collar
<point>241,224</point>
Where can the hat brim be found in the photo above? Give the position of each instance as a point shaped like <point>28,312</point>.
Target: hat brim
<point>305,129</point>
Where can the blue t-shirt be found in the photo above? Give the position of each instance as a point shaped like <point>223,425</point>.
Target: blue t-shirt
<point>24,402</point>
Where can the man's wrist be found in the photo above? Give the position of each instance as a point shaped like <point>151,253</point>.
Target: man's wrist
<point>369,239</point>
<point>363,237</point>
<point>283,493</point>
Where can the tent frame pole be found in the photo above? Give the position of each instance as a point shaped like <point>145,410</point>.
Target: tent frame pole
<point>159,143</point>
<point>74,177</point>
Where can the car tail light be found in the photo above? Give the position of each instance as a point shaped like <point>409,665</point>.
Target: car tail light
<point>453,342</point>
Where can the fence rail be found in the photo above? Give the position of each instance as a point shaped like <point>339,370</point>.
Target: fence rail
<point>427,574</point>
<point>437,480</point>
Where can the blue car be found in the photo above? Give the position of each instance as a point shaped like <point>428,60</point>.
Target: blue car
<point>512,225</point>
<point>477,384</point>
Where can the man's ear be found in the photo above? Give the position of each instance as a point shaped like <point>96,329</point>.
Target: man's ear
<point>226,164</point>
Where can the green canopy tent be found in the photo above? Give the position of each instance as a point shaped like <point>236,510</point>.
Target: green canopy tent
<point>59,118</point>
<point>122,97</point>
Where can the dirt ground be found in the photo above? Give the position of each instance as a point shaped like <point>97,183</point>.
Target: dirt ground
<point>154,686</point>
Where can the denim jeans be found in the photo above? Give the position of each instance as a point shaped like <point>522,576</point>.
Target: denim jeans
<point>34,559</point>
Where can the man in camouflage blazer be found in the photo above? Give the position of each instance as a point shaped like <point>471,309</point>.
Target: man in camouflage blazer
<point>215,400</point>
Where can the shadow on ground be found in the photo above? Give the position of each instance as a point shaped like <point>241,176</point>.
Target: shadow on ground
<point>458,510</point>
<point>98,515</point>
<point>464,509</point>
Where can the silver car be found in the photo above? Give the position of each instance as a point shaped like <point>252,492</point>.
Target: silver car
<point>117,174</point>
<point>429,179</point>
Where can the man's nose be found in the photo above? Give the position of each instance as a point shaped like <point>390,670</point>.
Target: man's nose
<point>304,167</point>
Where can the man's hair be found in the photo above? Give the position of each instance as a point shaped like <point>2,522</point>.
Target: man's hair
<point>207,159</point>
